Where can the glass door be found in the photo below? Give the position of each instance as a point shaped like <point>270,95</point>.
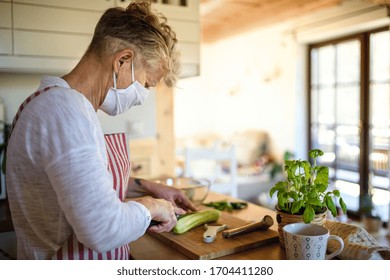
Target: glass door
<point>349,118</point>
<point>335,113</point>
<point>379,123</point>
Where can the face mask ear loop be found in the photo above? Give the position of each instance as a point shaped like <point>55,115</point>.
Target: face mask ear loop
<point>114,76</point>
<point>132,71</point>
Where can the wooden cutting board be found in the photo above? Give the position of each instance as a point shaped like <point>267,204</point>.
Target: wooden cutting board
<point>191,243</point>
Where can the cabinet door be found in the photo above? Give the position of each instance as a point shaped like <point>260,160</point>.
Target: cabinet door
<point>5,15</point>
<point>40,18</point>
<point>5,41</point>
<point>186,31</point>
<point>51,31</point>
<point>50,44</point>
<point>95,5</point>
<point>190,52</point>
<point>188,34</point>
<point>5,28</point>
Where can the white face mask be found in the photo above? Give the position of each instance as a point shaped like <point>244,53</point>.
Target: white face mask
<point>119,101</point>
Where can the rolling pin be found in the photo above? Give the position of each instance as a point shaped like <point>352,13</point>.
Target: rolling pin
<point>264,224</point>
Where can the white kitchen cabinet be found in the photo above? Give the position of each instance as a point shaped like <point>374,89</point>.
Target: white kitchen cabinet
<point>5,41</point>
<point>190,52</point>
<point>51,31</point>
<point>188,34</point>
<point>186,31</point>
<point>5,28</point>
<point>5,15</point>
<point>47,35</point>
<point>95,5</point>
<point>60,31</point>
<point>58,20</point>
<point>50,44</point>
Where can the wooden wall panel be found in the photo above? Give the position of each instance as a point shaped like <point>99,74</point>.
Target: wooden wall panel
<point>165,131</point>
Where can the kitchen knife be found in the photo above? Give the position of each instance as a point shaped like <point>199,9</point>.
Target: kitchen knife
<point>264,224</point>
<point>178,217</point>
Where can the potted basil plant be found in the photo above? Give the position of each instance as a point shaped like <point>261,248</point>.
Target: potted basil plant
<point>304,196</point>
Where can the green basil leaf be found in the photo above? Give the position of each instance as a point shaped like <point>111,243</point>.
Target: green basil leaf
<point>306,167</point>
<point>330,204</point>
<point>336,193</point>
<point>312,193</point>
<point>272,191</point>
<point>343,205</point>
<point>321,188</point>
<point>322,175</point>
<point>280,186</point>
<point>308,214</point>
<point>315,153</point>
<point>314,201</point>
<point>281,198</point>
<point>293,195</point>
<point>295,207</point>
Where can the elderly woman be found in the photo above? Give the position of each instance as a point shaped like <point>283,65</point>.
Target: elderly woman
<point>66,180</point>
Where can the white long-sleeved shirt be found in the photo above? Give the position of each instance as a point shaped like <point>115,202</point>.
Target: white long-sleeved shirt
<point>58,182</point>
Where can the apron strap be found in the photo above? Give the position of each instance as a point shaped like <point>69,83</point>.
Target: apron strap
<point>23,105</point>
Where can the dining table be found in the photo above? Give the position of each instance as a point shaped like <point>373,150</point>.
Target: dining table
<point>148,247</point>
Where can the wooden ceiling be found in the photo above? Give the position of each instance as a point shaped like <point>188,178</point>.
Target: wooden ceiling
<point>223,18</point>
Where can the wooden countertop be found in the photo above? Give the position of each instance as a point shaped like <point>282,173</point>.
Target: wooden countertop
<point>149,248</point>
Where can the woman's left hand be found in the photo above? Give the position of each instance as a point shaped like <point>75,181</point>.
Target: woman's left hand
<point>175,196</point>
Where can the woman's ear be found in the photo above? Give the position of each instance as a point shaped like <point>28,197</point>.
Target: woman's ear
<point>121,57</point>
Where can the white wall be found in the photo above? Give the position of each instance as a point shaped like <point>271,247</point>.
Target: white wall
<point>257,80</point>
<point>247,82</point>
<point>14,89</point>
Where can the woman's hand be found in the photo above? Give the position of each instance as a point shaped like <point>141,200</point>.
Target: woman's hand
<point>175,196</point>
<point>162,211</point>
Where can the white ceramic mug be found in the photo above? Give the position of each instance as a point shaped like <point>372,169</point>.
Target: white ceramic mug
<point>308,242</point>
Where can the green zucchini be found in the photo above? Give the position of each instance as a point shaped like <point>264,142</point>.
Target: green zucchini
<point>190,221</point>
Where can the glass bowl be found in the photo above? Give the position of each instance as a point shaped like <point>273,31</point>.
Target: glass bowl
<point>195,189</point>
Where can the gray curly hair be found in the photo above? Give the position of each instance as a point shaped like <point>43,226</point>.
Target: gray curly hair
<point>140,28</point>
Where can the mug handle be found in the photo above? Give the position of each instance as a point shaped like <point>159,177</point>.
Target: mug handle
<point>334,254</point>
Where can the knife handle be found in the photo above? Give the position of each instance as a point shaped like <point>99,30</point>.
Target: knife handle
<point>154,222</point>
<point>264,224</point>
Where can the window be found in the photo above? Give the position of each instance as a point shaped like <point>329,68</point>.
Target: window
<point>349,105</point>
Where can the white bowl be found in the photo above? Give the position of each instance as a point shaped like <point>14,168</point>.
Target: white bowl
<point>195,189</point>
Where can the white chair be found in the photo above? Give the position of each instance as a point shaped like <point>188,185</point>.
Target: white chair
<point>217,164</point>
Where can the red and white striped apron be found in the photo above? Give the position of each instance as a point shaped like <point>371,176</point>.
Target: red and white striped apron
<point>119,167</point>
